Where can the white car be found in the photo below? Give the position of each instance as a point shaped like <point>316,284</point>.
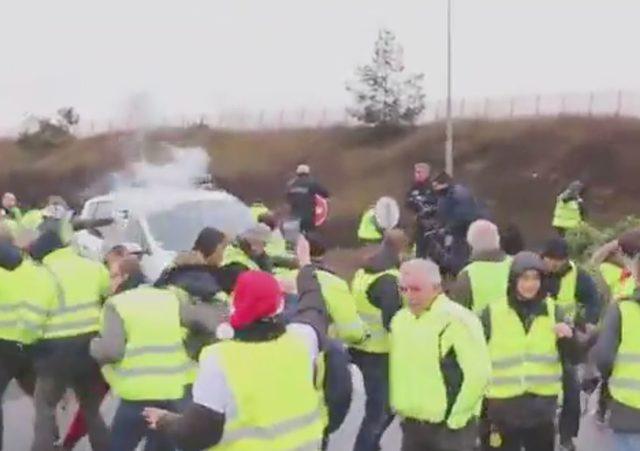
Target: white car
<point>162,221</point>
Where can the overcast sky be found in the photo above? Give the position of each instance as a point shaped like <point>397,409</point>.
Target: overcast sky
<point>201,56</point>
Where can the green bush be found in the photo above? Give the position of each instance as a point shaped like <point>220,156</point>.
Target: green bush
<point>586,238</point>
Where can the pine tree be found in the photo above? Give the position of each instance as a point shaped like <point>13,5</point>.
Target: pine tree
<point>384,94</point>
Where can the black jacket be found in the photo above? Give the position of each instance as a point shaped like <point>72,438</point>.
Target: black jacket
<point>586,293</point>
<point>623,418</point>
<point>384,293</point>
<point>198,280</point>
<point>457,209</point>
<point>301,192</point>
<point>421,200</point>
<point>529,409</point>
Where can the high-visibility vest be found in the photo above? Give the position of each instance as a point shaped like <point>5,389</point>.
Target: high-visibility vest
<point>418,345</point>
<point>26,295</point>
<point>378,342</point>
<point>566,215</point>
<point>277,245</point>
<point>12,225</point>
<point>624,383</point>
<point>612,275</point>
<point>625,289</point>
<point>155,362</point>
<point>82,284</point>
<point>233,254</point>
<point>566,297</point>
<point>31,219</point>
<point>341,306</point>
<point>277,406</point>
<point>489,282</point>
<point>258,209</point>
<point>368,230</point>
<point>523,362</point>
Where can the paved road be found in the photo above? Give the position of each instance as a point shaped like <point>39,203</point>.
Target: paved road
<point>19,419</point>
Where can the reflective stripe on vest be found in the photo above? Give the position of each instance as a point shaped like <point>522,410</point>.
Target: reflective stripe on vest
<point>280,410</point>
<point>566,297</point>
<point>523,362</point>
<point>25,295</point>
<point>378,342</point>
<point>488,282</point>
<point>418,345</point>
<point>566,215</point>
<point>368,230</point>
<point>624,383</point>
<point>155,363</point>
<point>80,283</point>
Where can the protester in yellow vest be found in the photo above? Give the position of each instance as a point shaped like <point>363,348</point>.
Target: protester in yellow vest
<point>257,391</point>
<point>61,356</point>
<point>143,357</point>
<point>575,291</point>
<point>609,260</point>
<point>617,354</point>
<point>569,211</point>
<point>439,364</point>
<point>368,230</point>
<point>10,207</point>
<point>484,280</point>
<point>248,252</point>
<point>25,292</point>
<point>375,290</point>
<point>528,343</point>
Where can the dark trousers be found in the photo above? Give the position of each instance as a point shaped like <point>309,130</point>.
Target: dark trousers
<point>569,423</point>
<point>129,427</point>
<point>508,438</point>
<point>377,417</point>
<point>420,436</point>
<point>14,364</point>
<point>85,380</point>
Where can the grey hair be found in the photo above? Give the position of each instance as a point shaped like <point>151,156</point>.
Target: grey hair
<point>483,235</point>
<point>426,268</point>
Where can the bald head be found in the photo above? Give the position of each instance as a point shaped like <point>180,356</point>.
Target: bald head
<point>483,235</point>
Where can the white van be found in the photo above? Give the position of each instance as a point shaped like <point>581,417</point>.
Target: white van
<point>161,221</point>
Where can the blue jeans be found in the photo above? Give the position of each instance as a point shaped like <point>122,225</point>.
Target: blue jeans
<point>129,427</point>
<point>377,416</point>
<point>626,442</point>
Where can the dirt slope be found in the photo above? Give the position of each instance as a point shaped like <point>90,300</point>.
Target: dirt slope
<point>516,166</point>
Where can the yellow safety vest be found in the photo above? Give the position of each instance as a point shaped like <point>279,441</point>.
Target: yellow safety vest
<point>368,231</point>
<point>566,214</point>
<point>378,342</point>
<point>624,383</point>
<point>82,284</point>
<point>26,296</point>
<point>418,345</point>
<point>155,363</point>
<point>566,297</point>
<point>612,275</point>
<point>277,404</point>
<point>233,254</point>
<point>258,209</point>
<point>31,219</point>
<point>12,225</point>
<point>523,362</point>
<point>488,282</point>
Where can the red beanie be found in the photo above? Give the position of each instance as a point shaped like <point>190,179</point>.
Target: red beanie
<point>257,295</point>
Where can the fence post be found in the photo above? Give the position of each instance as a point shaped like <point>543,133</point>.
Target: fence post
<point>538,105</point>
<point>486,107</point>
<point>462,105</point>
<point>563,105</point>
<point>511,107</point>
<point>590,107</point>
<point>281,119</point>
<point>323,118</point>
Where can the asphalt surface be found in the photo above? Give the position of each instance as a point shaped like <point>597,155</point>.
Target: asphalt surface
<point>18,424</point>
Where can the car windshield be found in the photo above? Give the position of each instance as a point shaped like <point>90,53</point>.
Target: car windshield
<point>176,229</point>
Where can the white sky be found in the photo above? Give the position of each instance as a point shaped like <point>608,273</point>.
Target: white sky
<point>196,57</point>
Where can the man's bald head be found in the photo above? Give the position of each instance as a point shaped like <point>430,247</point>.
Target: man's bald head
<point>483,235</point>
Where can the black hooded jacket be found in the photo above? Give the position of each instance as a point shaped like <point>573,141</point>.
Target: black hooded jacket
<point>198,280</point>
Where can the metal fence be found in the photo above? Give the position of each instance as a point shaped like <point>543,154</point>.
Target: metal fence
<point>600,104</point>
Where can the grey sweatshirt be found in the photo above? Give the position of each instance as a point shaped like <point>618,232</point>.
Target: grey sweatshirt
<point>110,346</point>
